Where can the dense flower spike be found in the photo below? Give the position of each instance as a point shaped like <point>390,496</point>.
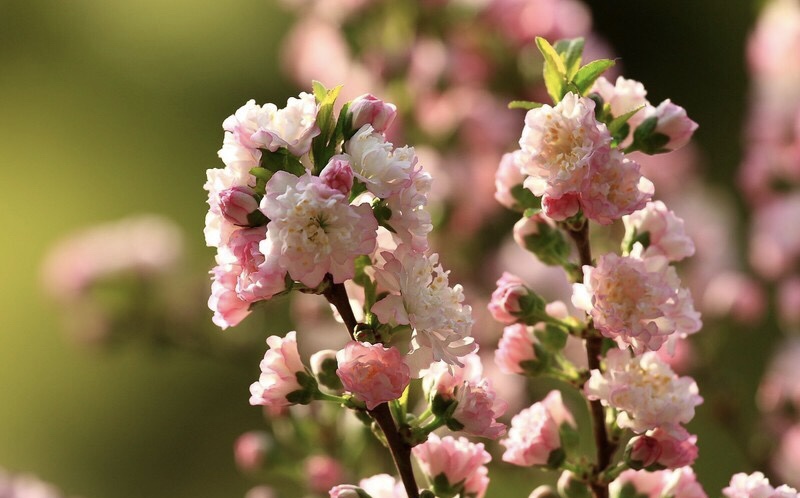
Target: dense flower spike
<point>373,373</point>
<point>646,392</point>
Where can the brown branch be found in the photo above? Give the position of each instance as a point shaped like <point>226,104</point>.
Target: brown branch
<point>399,448</point>
<point>594,344</point>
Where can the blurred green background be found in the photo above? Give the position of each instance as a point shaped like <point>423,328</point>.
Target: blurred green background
<point>115,107</point>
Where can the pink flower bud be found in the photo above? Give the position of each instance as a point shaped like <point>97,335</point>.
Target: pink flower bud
<point>323,472</point>
<point>514,347</point>
<point>505,299</point>
<point>279,370</point>
<point>236,203</point>
<point>373,373</point>
<point>642,452</point>
<point>250,450</point>
<point>508,176</point>
<point>561,208</point>
<point>678,447</point>
<point>338,174</point>
<point>674,123</point>
<point>369,109</point>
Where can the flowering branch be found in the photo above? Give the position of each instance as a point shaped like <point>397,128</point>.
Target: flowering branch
<point>594,343</point>
<point>336,294</point>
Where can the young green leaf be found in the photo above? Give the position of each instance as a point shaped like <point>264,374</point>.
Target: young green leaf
<point>571,52</point>
<point>588,74</point>
<point>524,104</point>
<point>554,72</point>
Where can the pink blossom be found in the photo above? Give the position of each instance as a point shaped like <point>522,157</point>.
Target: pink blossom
<point>534,432</point>
<point>678,447</point>
<point>279,370</point>
<point>229,309</point>
<point>338,174</point>
<point>345,491</point>
<point>646,392</point>
<point>236,203</point>
<point>779,387</point>
<point>369,109</point>
<point>145,245</point>
<point>678,483</point>
<point>642,451</point>
<point>239,159</point>
<point>478,408</point>
<point>420,296</point>
<point>504,305</point>
<point>322,472</point>
<point>613,188</point>
<point>561,208</point>
<point>250,450</point>
<point>383,169</point>
<point>313,230</point>
<point>755,485</point>
<point>735,294</point>
<point>508,176</point>
<point>218,228</point>
<point>638,303</point>
<point>786,460</point>
<point>242,276</point>
<point>25,486</point>
<point>674,123</point>
<point>665,231</point>
<point>292,127</point>
<point>622,97</point>
<point>458,460</point>
<point>788,301</point>
<point>515,347</point>
<point>443,379</point>
<point>373,373</point>
<point>383,486</point>
<point>559,145</point>
<point>410,219</point>
<point>774,241</point>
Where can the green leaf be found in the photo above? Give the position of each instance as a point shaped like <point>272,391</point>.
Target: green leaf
<point>549,245</point>
<point>281,160</point>
<point>621,120</point>
<point>588,74</point>
<point>556,458</point>
<point>524,104</point>
<point>552,337</point>
<point>525,199</point>
<point>320,92</point>
<point>440,405</point>
<point>554,72</point>
<point>322,146</point>
<point>647,139</point>
<point>571,51</point>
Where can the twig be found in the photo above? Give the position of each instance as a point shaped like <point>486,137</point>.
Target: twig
<point>400,449</point>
